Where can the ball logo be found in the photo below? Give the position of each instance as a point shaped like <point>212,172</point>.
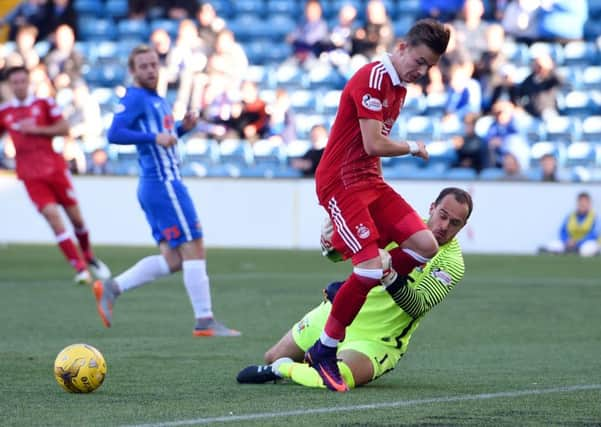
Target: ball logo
<point>373,104</point>
<point>362,231</point>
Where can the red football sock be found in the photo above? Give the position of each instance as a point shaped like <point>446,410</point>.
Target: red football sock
<point>84,243</point>
<point>403,263</point>
<point>68,248</point>
<point>347,304</point>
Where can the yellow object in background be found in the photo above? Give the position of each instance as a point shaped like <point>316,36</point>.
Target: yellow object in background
<point>5,7</point>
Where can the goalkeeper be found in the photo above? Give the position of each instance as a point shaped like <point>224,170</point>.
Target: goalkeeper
<point>380,334</point>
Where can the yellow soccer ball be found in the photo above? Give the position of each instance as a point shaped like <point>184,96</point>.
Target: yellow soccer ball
<point>79,368</point>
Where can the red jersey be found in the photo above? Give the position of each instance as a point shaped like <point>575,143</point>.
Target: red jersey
<point>35,157</point>
<point>374,92</point>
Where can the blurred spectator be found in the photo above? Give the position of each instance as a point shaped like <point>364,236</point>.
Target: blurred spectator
<point>504,87</point>
<point>471,30</point>
<point>8,154</point>
<point>99,163</point>
<point>377,35</point>
<point>281,117</point>
<point>548,165</point>
<point>340,43</point>
<point>488,69</point>
<point>188,58</point>
<point>229,59</point>
<point>464,94</point>
<point>512,170</point>
<point>249,118</point>
<point>443,10</point>
<point>519,20</point>
<point>497,138</point>
<point>40,82</point>
<point>176,9</point>
<point>537,94</point>
<point>25,53</point>
<point>470,147</point>
<point>579,232</point>
<point>74,156</point>
<point>168,69</point>
<point>308,162</point>
<point>82,112</point>
<point>64,62</point>
<point>209,26</point>
<point>311,33</point>
<point>27,12</point>
<point>57,13</point>
<point>562,20</point>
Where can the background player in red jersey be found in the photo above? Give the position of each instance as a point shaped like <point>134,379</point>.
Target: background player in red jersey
<point>366,212</point>
<point>32,123</point>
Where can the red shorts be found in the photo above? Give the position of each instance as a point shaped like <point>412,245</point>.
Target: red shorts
<point>367,219</point>
<point>56,188</point>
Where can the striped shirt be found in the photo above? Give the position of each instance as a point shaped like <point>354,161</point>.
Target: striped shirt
<point>139,117</point>
<point>394,319</point>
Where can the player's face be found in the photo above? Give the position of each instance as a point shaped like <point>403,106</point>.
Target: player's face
<point>447,218</point>
<point>19,84</point>
<point>146,70</point>
<point>415,61</point>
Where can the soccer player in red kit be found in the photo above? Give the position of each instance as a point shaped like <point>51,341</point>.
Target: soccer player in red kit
<point>32,123</point>
<point>366,212</point>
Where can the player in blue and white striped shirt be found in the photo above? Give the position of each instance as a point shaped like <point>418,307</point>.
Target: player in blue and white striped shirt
<point>145,119</point>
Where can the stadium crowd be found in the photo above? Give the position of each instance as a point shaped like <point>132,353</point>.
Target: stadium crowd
<point>516,97</point>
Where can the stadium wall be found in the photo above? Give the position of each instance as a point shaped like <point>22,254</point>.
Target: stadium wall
<point>508,217</point>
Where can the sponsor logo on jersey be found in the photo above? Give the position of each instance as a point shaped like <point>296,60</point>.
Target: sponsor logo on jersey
<point>35,111</point>
<point>362,231</point>
<point>373,104</point>
<point>119,108</point>
<point>302,325</point>
<point>442,276</point>
<point>168,122</point>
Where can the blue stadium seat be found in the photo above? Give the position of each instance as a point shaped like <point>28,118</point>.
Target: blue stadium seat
<point>278,53</point>
<point>461,174</point>
<point>414,105</point>
<point>224,8</point>
<point>42,48</point>
<point>441,153</point>
<point>96,29</point>
<point>330,100</point>
<point>89,7</point>
<point>303,101</point>
<point>324,76</point>
<point>133,28</point>
<point>436,103</point>
<point>286,173</point>
<point>591,129</point>
<point>553,49</point>
<point>304,122</point>
<point>247,27</point>
<point>296,148</point>
<point>268,152</point>
<point>591,78</point>
<point>118,9</point>
<point>277,27</point>
<point>103,50</point>
<point>541,148</point>
<point>106,75</point>
<point>561,128</point>
<point>450,128</point>
<point>250,7</point>
<point>406,7</point>
<point>169,25</point>
<point>285,7</point>
<point>594,9</point>
<point>581,153</point>
<point>201,150</point>
<point>256,51</point>
<point>289,76</point>
<point>592,29</point>
<point>420,128</point>
<point>402,25</point>
<point>236,152</point>
<point>575,103</point>
<point>580,53</point>
<point>491,174</point>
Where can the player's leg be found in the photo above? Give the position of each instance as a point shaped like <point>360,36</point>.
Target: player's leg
<point>180,226</point>
<point>42,195</point>
<point>355,236</point>
<point>398,222</point>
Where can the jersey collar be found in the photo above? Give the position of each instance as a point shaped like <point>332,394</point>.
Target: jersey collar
<point>396,80</point>
<point>27,101</point>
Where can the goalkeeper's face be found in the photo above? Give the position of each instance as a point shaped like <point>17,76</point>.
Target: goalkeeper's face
<point>447,218</point>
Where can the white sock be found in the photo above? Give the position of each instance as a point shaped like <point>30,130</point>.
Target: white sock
<point>144,271</point>
<point>197,286</point>
<point>328,340</point>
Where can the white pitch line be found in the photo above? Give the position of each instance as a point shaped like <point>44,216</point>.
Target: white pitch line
<point>371,406</point>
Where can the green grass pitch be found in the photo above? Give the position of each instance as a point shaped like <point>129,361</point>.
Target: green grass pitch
<point>518,342</point>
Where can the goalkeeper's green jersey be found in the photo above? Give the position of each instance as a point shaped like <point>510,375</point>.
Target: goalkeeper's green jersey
<point>381,318</point>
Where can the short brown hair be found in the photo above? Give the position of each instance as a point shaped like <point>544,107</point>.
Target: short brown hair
<point>431,33</point>
<point>138,50</point>
<point>460,195</point>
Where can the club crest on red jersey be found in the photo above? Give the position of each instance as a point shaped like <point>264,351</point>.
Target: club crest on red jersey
<point>362,231</point>
<point>371,103</point>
